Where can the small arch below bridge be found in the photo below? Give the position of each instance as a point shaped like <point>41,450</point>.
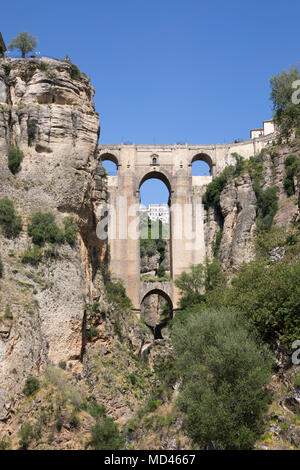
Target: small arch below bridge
<point>155,312</point>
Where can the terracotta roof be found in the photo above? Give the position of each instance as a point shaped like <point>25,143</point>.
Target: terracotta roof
<point>2,43</point>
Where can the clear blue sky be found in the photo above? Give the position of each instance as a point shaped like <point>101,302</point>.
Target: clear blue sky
<point>168,71</point>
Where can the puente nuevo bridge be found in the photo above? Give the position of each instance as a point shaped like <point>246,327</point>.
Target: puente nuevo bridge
<point>172,165</point>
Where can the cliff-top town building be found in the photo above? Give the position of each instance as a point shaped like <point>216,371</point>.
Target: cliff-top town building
<point>157,212</point>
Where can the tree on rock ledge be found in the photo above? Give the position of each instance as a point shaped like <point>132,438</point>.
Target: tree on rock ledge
<point>25,42</point>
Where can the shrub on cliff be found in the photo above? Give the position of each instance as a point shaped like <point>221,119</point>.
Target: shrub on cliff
<point>31,387</point>
<point>291,166</point>
<point>71,230</point>
<point>26,435</point>
<point>42,228</point>
<point>32,255</point>
<point>116,293</point>
<point>195,284</point>
<point>1,267</point>
<point>224,371</point>
<point>11,223</point>
<point>267,205</point>
<point>105,435</point>
<point>15,157</point>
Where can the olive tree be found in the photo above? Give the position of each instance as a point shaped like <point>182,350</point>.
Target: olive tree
<point>25,42</point>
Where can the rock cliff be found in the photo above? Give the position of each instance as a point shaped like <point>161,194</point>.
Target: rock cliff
<point>48,112</point>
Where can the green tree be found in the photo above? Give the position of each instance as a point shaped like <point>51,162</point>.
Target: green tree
<point>105,435</point>
<point>32,386</point>
<point>25,42</point>
<point>32,255</point>
<point>71,230</point>
<point>224,371</point>
<point>10,222</point>
<point>26,434</point>
<point>15,157</point>
<point>42,228</point>
<point>195,284</point>
<point>287,113</point>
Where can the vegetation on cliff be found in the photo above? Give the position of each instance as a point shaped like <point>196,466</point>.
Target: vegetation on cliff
<point>224,371</point>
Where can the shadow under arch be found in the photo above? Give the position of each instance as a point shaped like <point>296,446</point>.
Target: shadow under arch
<point>203,157</point>
<point>157,329</point>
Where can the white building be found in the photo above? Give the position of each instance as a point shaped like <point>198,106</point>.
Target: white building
<point>157,212</point>
<point>268,128</point>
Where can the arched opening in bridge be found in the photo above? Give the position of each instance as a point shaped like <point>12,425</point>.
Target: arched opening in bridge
<point>110,164</point>
<point>156,311</point>
<point>201,165</point>
<point>155,263</point>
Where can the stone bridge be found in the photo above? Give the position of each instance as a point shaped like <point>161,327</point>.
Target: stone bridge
<point>172,165</point>
<point>165,289</point>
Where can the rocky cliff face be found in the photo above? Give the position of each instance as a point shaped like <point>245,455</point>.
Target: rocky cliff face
<point>238,218</point>
<point>48,112</point>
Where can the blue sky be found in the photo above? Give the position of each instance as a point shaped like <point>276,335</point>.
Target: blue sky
<point>168,71</point>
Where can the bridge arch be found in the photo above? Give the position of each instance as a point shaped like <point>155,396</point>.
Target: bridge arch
<point>158,324</point>
<point>110,157</point>
<point>203,157</point>
<point>161,292</point>
<point>161,175</point>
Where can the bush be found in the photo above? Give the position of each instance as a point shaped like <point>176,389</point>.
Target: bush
<point>26,434</point>
<point>11,223</point>
<point>15,157</point>
<point>75,72</point>
<point>106,436</point>
<point>161,271</point>
<point>224,371</point>
<point>8,313</point>
<point>216,245</point>
<point>147,247</point>
<point>195,284</point>
<point>74,420</point>
<point>291,165</point>
<point>32,386</point>
<point>268,295</point>
<point>42,228</point>
<point>211,197</point>
<point>71,230</point>
<point>297,381</point>
<point>31,130</point>
<point>92,332</point>
<point>116,292</point>
<point>43,66</point>
<point>95,410</point>
<point>1,267</point>
<point>5,443</point>
<point>32,255</point>
<point>267,206</point>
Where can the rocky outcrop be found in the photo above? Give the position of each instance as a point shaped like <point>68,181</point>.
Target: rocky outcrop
<point>47,110</point>
<point>238,217</point>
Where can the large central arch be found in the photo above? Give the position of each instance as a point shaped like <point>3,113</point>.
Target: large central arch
<point>161,175</point>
